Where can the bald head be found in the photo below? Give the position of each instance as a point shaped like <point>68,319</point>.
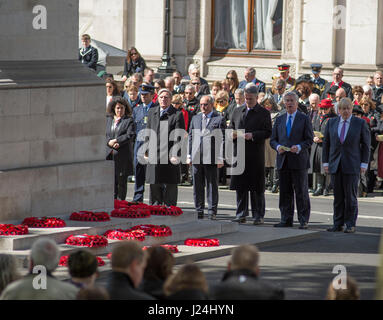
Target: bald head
<point>340,93</point>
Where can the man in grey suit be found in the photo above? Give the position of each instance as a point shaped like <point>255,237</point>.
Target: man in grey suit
<point>205,171</point>
<point>346,152</point>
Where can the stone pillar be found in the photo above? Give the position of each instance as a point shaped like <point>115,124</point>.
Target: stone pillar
<point>52,115</point>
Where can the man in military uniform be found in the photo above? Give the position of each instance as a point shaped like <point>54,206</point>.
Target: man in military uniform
<point>140,117</point>
<point>88,55</point>
<point>319,83</point>
<point>284,73</point>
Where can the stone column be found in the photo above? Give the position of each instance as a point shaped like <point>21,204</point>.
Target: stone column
<point>52,115</point>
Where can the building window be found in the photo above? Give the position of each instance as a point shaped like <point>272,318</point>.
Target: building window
<point>247,26</point>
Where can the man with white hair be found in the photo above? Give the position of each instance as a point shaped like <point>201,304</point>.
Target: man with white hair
<point>250,78</point>
<point>194,71</point>
<point>39,284</point>
<point>377,90</point>
<point>337,77</point>
<point>314,101</point>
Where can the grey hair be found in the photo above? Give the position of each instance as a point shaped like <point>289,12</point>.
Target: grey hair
<point>8,270</point>
<point>240,91</point>
<point>45,252</point>
<point>313,95</point>
<point>280,82</point>
<point>344,102</point>
<point>367,88</point>
<point>290,94</point>
<point>165,90</point>
<point>193,66</point>
<point>251,70</point>
<point>169,79</point>
<point>210,98</point>
<point>190,86</point>
<point>251,88</point>
<point>138,76</point>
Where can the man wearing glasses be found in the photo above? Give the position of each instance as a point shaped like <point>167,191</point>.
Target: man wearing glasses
<point>250,77</point>
<point>337,76</point>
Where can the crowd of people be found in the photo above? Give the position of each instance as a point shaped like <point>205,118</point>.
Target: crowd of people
<point>189,103</point>
<point>138,274</point>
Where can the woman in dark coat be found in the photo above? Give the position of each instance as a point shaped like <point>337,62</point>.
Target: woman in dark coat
<point>120,136</point>
<point>134,63</point>
<point>326,112</point>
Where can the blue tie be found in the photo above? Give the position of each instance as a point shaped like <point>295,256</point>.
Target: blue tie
<point>288,126</point>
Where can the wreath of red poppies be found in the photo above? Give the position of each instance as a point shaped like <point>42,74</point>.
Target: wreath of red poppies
<point>128,234</point>
<point>13,230</point>
<point>131,212</point>
<point>44,222</point>
<point>165,211</point>
<point>134,206</point>
<point>64,261</point>
<point>89,216</point>
<point>172,248</point>
<point>85,240</point>
<point>154,230</point>
<point>202,242</point>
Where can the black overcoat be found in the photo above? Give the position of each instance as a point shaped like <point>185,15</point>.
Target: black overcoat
<point>258,122</point>
<point>164,173</point>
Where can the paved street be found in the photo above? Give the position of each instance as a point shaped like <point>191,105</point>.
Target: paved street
<point>305,269</point>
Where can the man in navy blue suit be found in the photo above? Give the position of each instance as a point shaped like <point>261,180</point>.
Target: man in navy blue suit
<point>346,152</point>
<point>292,137</point>
<point>205,170</point>
<point>250,77</point>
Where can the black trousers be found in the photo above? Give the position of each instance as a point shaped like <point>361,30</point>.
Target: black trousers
<point>120,183</point>
<point>345,198</point>
<point>139,184</point>
<point>257,200</point>
<point>294,182</point>
<point>205,175</point>
<point>163,194</point>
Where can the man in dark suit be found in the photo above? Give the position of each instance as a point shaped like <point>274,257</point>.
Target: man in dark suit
<point>250,78</point>
<point>140,116</point>
<point>163,176</point>
<point>88,55</point>
<point>292,137</point>
<point>377,89</point>
<point>346,152</point>
<point>256,123</point>
<point>204,168</point>
<point>337,76</point>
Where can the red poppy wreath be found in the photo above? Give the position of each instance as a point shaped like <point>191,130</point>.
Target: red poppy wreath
<point>154,230</point>
<point>127,234</point>
<point>85,240</point>
<point>44,222</point>
<point>131,212</point>
<point>201,242</point>
<point>13,230</point>
<point>172,248</point>
<point>89,216</point>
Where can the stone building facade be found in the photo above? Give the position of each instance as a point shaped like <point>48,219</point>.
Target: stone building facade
<point>342,33</point>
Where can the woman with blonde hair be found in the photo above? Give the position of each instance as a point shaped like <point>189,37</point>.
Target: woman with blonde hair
<point>232,77</point>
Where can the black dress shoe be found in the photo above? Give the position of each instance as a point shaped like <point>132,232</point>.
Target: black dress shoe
<point>318,192</point>
<point>258,222</point>
<point>349,230</point>
<point>200,215</point>
<point>304,226</point>
<point>335,229</point>
<point>240,219</point>
<point>283,225</point>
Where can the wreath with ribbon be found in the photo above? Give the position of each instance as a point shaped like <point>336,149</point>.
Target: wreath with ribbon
<point>154,230</point>
<point>64,261</point>
<point>128,234</point>
<point>131,212</point>
<point>89,216</point>
<point>172,248</point>
<point>201,242</point>
<point>13,230</point>
<point>85,240</point>
<point>44,222</point>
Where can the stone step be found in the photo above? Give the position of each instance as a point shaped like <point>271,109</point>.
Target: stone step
<point>180,232</point>
<point>9,243</point>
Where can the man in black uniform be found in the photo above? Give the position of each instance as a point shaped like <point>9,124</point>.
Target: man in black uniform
<point>88,55</point>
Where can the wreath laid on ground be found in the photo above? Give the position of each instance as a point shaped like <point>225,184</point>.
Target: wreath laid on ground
<point>85,240</point>
<point>154,230</point>
<point>201,242</point>
<point>131,212</point>
<point>165,211</point>
<point>89,216</point>
<point>128,234</point>
<point>172,248</point>
<point>13,230</point>
<point>154,210</point>
<point>44,222</point>
<point>64,261</point>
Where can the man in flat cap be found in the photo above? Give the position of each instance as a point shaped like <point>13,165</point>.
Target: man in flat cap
<point>319,82</point>
<point>140,117</point>
<point>284,73</point>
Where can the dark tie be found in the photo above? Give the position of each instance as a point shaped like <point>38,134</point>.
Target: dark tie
<point>342,132</point>
<point>288,126</point>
